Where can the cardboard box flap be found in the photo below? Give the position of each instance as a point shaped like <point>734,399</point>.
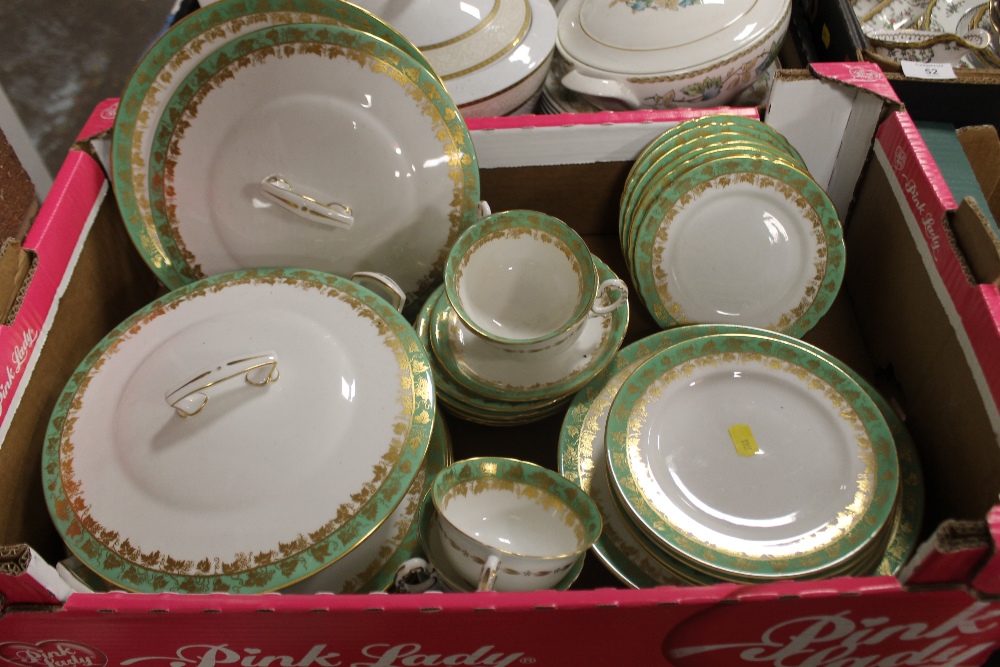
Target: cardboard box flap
<point>953,553</point>
<point>845,114</point>
<point>977,241</point>
<point>570,138</point>
<point>925,325</point>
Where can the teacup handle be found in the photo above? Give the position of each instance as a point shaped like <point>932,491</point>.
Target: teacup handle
<point>415,576</point>
<point>281,192</point>
<point>383,285</point>
<point>483,210</point>
<point>488,575</point>
<point>606,286</point>
<point>191,397</point>
<point>598,87</point>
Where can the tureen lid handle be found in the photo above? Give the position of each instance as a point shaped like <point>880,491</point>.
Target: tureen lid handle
<point>191,397</point>
<point>279,191</point>
<point>598,87</point>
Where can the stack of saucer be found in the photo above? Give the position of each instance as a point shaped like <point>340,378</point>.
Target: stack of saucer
<point>720,222</point>
<point>512,374</point>
<point>835,486</point>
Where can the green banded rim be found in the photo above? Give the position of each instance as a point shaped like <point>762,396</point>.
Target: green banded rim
<point>382,60</point>
<point>662,175</point>
<point>455,394</point>
<point>126,565</point>
<point>427,520</point>
<point>877,485</point>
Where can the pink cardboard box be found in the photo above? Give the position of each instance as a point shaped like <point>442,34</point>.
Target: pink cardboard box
<point>909,306</point>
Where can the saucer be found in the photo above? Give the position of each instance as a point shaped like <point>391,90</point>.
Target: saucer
<point>530,376</point>
<point>430,541</point>
<point>467,404</point>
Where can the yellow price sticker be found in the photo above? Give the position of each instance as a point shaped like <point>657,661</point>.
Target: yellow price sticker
<point>743,439</point>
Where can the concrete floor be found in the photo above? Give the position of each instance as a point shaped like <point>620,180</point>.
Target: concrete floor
<point>59,59</point>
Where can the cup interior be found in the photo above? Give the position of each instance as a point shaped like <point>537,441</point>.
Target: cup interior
<point>514,517</point>
<point>522,284</point>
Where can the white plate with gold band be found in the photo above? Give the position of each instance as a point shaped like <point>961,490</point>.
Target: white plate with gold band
<point>752,457</point>
<point>166,65</point>
<point>239,434</point>
<point>347,156</point>
<point>490,53</point>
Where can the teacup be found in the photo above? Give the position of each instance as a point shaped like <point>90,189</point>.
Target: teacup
<point>525,281</point>
<point>508,525</point>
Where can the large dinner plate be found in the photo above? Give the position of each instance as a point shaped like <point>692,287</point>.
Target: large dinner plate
<point>171,463</point>
<point>583,460</point>
<point>164,67</point>
<point>320,118</point>
<point>752,457</point>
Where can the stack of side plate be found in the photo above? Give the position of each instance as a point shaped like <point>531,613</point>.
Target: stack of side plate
<point>720,222</point>
<point>261,133</point>
<point>728,453</point>
<point>488,385</point>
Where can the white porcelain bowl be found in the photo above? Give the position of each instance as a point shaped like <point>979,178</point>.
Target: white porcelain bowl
<point>491,54</point>
<point>667,53</point>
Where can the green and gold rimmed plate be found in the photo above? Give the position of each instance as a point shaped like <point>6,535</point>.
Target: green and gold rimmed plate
<point>664,173</point>
<point>740,241</point>
<point>499,374</point>
<point>450,581</point>
<point>238,434</point>
<point>347,156</point>
<point>752,458</point>
<point>165,65</point>
<point>582,459</point>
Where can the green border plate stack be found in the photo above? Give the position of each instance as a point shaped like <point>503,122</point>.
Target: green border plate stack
<point>592,436</point>
<point>720,222</point>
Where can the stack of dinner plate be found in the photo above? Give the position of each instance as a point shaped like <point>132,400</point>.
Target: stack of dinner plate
<point>730,453</point>
<point>263,133</point>
<point>488,385</point>
<point>721,223</point>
